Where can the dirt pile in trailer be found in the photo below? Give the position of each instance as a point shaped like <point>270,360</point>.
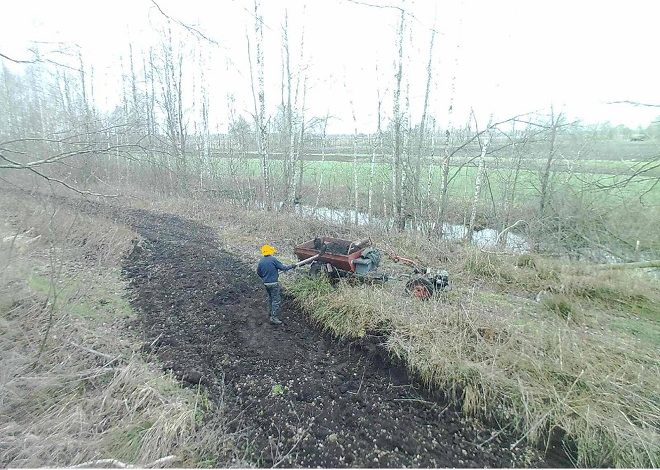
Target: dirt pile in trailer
<point>336,247</point>
<point>306,399</point>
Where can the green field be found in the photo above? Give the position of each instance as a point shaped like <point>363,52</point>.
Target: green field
<point>340,175</point>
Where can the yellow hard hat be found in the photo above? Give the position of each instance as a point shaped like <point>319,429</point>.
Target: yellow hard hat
<point>267,250</point>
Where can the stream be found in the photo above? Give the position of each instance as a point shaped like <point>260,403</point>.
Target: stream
<point>486,238</point>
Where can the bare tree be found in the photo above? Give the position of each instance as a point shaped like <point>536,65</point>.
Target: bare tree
<point>481,174</point>
<point>518,146</point>
<point>171,101</point>
<point>397,159</point>
<point>422,129</point>
<point>288,157</point>
<point>299,166</point>
<point>301,149</point>
<point>444,185</point>
<point>320,183</point>
<point>355,156</point>
<point>260,118</point>
<point>134,86</point>
<point>376,144</point>
<point>555,122</point>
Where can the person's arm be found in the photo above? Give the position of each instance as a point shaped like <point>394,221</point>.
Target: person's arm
<point>282,267</point>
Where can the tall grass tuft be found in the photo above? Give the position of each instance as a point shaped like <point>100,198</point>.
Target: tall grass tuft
<point>347,312</point>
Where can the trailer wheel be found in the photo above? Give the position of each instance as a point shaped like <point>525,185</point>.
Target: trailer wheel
<point>420,288</point>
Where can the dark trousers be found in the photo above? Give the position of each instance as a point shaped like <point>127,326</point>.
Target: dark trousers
<point>274,299</point>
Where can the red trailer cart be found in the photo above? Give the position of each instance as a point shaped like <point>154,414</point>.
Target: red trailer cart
<point>338,258</point>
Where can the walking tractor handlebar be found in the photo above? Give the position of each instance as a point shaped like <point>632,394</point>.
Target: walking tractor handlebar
<point>306,261</point>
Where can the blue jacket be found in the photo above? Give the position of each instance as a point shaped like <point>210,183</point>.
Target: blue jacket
<point>269,267</point>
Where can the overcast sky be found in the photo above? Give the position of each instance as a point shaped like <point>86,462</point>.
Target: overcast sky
<point>505,57</point>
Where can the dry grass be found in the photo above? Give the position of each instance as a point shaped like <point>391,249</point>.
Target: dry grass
<point>73,386</point>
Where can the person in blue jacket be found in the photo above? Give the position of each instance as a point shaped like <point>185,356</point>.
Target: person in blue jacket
<point>269,270</point>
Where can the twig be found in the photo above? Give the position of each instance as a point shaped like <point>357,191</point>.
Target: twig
<point>79,191</point>
<point>493,436</point>
<point>635,103</point>
<point>418,400</point>
<point>185,26</point>
<point>17,61</point>
<point>153,343</point>
<point>162,461</point>
<point>107,356</point>
<point>510,227</point>
<point>11,249</point>
<point>361,381</point>
<point>300,438</point>
<point>38,61</point>
<point>113,463</point>
<point>634,265</point>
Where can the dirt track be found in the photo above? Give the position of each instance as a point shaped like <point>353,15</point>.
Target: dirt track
<point>341,405</point>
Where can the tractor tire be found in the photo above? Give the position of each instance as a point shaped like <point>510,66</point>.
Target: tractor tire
<point>420,288</point>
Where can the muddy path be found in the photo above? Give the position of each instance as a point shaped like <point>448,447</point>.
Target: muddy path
<point>306,399</point>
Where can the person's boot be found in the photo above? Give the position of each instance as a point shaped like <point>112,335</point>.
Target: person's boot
<point>275,321</point>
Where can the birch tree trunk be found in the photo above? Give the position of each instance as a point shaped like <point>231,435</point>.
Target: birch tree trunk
<point>511,187</point>
<point>427,210</point>
<point>397,137</point>
<point>481,172</point>
<point>134,92</point>
<point>444,186</point>
<point>372,169</point>
<point>86,166</point>
<point>422,130</point>
<point>407,176</point>
<point>378,140</point>
<point>299,167</point>
<point>261,117</point>
<point>381,150</point>
<point>545,176</point>
<point>301,149</point>
<point>205,144</point>
<point>288,157</point>
<point>318,191</point>
<point>83,86</point>
<point>355,156</point>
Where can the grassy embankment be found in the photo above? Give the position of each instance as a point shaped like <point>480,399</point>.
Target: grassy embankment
<point>581,362</point>
<point>74,386</point>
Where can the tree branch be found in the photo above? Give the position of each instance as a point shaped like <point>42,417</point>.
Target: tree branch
<point>639,264</point>
<point>17,61</point>
<point>635,103</point>
<point>189,28</point>
<point>55,180</point>
<point>37,61</point>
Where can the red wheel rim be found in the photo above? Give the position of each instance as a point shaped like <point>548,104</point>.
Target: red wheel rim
<point>421,292</point>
